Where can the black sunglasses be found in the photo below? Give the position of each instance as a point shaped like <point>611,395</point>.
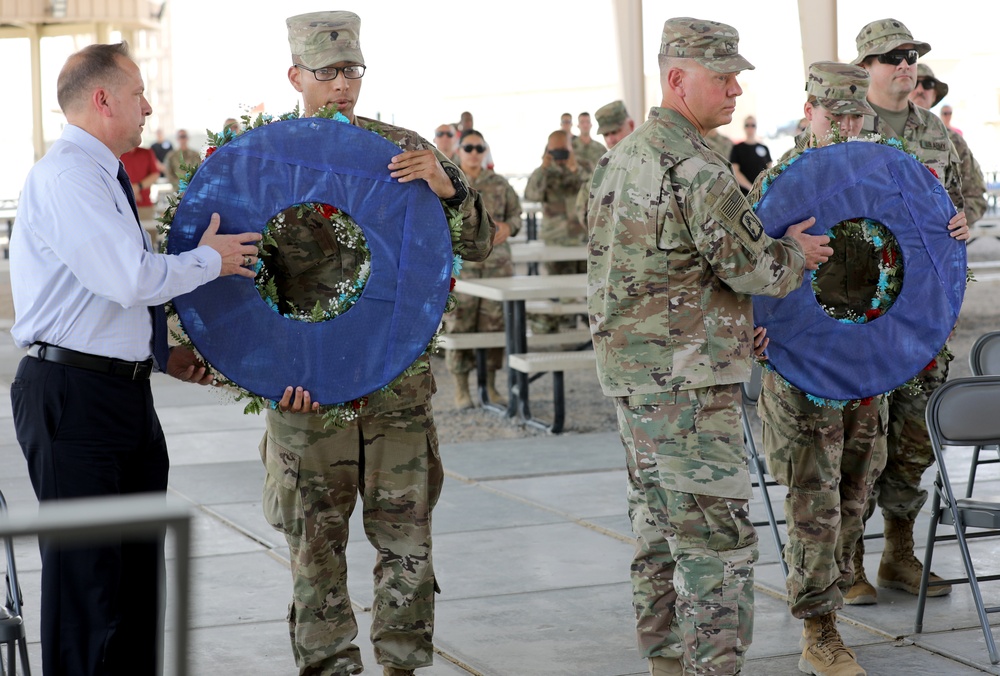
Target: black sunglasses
<point>439,134</point>
<point>479,148</point>
<point>897,56</point>
<point>927,83</point>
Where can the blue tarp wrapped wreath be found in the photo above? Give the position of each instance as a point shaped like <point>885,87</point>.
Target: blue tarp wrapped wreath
<point>845,361</point>
<point>271,168</point>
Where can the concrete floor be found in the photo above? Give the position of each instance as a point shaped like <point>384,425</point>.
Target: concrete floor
<point>532,552</point>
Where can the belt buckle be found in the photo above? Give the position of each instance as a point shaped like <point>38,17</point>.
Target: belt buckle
<point>135,371</point>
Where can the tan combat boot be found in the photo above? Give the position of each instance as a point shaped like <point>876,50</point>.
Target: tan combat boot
<point>396,671</point>
<point>825,653</point>
<point>899,568</point>
<point>462,397</point>
<point>862,593</point>
<point>665,666</point>
<point>491,388</point>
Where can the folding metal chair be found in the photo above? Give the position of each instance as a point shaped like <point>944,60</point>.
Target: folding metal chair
<point>962,412</point>
<point>11,622</point>
<point>984,359</point>
<point>751,393</point>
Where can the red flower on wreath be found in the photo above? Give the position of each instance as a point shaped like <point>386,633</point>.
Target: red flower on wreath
<point>325,210</point>
<point>931,169</point>
<point>359,403</point>
<point>209,151</point>
<point>931,366</point>
<point>873,313</point>
<point>866,401</point>
<point>452,287</point>
<point>889,257</point>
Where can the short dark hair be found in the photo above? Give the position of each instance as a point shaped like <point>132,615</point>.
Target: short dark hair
<point>93,66</point>
<point>470,132</point>
<point>584,113</point>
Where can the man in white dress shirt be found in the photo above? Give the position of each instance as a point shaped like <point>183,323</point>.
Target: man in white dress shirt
<point>88,294</point>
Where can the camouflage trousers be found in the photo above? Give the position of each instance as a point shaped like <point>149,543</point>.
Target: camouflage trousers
<point>314,476</point>
<point>688,486</point>
<point>474,314</point>
<point>548,323</point>
<point>829,460</point>
<point>898,491</point>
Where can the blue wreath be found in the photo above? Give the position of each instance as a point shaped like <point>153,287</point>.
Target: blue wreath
<point>271,168</point>
<point>836,360</point>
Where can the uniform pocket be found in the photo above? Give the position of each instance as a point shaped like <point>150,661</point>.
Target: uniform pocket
<point>281,501</point>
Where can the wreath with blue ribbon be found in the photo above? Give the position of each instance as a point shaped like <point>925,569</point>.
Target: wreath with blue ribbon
<point>850,360</point>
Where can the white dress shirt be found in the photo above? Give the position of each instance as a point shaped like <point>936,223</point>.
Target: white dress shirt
<point>80,274</point>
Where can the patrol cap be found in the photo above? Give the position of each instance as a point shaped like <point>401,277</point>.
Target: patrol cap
<point>883,36</point>
<point>611,117</point>
<point>321,38</point>
<point>839,87</point>
<point>710,43</point>
<point>940,88</point>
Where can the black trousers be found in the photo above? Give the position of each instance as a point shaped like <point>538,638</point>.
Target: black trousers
<point>86,434</point>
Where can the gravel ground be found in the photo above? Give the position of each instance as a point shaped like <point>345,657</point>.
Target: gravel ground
<point>588,410</point>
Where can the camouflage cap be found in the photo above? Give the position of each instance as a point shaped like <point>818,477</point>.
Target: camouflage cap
<point>883,36</point>
<point>710,43</point>
<point>610,117</point>
<point>940,88</point>
<point>319,39</point>
<point>839,87</point>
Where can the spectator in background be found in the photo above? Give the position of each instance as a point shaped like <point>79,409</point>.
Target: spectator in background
<point>465,122</point>
<point>584,146</point>
<point>927,94</point>
<point>476,314</point>
<point>161,149</point>
<point>555,184</point>
<point>723,145</point>
<point>946,118</point>
<point>182,155</point>
<point>749,158</point>
<point>143,171</point>
<point>613,123</point>
<point>232,124</point>
<point>444,139</point>
<point>566,124</point>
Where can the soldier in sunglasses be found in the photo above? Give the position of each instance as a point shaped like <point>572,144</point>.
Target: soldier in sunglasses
<point>887,50</point>
<point>927,94</point>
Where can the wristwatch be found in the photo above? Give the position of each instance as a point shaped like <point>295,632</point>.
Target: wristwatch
<point>461,192</point>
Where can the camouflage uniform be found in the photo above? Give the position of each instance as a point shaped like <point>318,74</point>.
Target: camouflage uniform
<point>556,187</point>
<point>828,458</point>
<point>674,254</point>
<point>174,160</point>
<point>477,314</point>
<point>389,454</point>
<point>589,152</point>
<point>723,145</point>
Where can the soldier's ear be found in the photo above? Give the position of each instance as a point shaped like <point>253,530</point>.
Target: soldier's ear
<point>807,111</point>
<point>294,75</point>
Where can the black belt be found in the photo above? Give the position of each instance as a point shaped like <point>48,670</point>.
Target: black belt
<point>133,370</point>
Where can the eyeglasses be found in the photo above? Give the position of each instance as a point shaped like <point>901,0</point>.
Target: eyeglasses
<point>896,56</point>
<point>331,72</point>
<point>927,83</point>
<point>439,134</point>
<point>479,148</point>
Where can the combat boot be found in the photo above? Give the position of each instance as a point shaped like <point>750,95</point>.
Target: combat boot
<point>825,653</point>
<point>462,397</point>
<point>396,671</point>
<point>862,593</point>
<point>491,388</point>
<point>665,666</point>
<point>899,568</point>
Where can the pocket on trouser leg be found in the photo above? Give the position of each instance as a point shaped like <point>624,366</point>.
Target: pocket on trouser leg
<point>281,501</point>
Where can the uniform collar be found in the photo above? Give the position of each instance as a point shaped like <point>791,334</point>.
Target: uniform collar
<point>93,147</point>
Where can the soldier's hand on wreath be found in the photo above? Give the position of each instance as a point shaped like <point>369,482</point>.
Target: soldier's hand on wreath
<point>422,164</point>
<point>813,246</point>
<point>958,227</point>
<point>760,342</point>
<point>297,400</point>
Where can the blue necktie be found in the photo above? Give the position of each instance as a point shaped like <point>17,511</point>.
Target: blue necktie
<point>160,348</point>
